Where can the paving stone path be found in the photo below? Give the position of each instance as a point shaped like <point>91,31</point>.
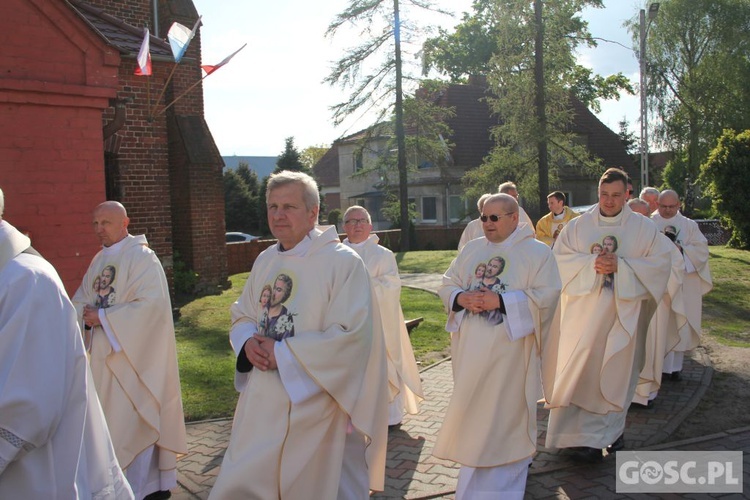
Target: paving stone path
<point>413,473</point>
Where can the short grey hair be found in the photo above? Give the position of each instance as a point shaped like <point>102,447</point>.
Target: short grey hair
<point>310,194</point>
<point>648,191</point>
<point>357,207</point>
<point>482,199</point>
<point>637,202</point>
<point>507,187</point>
<point>2,203</point>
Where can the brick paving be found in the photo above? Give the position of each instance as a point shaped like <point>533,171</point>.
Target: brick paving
<point>413,473</point>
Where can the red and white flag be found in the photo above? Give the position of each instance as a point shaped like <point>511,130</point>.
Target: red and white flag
<point>144,56</point>
<point>211,68</point>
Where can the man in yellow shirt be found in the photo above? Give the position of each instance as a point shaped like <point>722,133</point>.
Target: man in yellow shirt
<point>549,226</point>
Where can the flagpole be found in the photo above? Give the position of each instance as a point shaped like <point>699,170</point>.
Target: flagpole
<point>213,69</point>
<point>182,95</point>
<point>156,103</point>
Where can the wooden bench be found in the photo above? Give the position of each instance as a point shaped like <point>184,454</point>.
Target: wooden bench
<point>411,324</point>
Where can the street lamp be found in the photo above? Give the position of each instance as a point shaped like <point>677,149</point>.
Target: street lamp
<point>653,9</point>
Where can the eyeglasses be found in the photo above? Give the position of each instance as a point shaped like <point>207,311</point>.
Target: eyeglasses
<point>356,222</point>
<point>493,217</point>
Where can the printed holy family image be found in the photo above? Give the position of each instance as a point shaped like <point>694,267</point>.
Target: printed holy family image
<point>276,320</point>
<point>608,245</point>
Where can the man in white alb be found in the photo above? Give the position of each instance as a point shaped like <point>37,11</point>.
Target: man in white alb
<point>687,237</point>
<point>133,354</point>
<point>614,270</point>
<point>54,441</point>
<point>497,332</point>
<point>311,421</point>
<point>403,374</point>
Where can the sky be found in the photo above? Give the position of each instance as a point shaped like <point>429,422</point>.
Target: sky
<point>273,88</point>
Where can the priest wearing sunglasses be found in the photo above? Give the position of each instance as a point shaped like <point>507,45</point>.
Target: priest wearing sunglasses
<point>496,336</point>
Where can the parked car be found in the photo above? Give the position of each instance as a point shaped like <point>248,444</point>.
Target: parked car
<point>579,209</point>
<point>235,237</point>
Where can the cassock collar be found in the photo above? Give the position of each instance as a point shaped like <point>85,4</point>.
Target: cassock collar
<point>510,240</point>
<point>301,248</point>
<point>612,221</point>
<point>370,238</point>
<point>116,248</point>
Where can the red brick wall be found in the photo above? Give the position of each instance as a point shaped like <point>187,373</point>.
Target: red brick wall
<point>57,78</point>
<point>50,187</point>
<point>143,160</point>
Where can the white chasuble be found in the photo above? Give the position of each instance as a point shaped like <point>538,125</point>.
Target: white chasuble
<point>697,281</point>
<point>291,445</point>
<point>54,442</point>
<point>134,362</point>
<point>663,332</point>
<point>403,374</point>
<point>603,322</point>
<point>491,418</point>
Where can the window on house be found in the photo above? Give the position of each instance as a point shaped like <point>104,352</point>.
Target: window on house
<point>429,209</point>
<point>358,161</point>
<point>456,208</point>
<point>360,202</point>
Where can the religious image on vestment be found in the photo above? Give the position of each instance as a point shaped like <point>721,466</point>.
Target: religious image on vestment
<point>608,245</point>
<point>673,234</point>
<point>276,321</point>
<point>487,275</point>
<point>103,287</point>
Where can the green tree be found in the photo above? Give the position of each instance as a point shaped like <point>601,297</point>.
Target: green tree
<point>383,34</point>
<point>425,145</point>
<point>726,175</point>
<point>469,50</point>
<point>627,137</point>
<point>249,176</point>
<point>312,154</point>
<point>699,65</point>
<point>291,159</point>
<point>239,204</point>
<point>527,51</point>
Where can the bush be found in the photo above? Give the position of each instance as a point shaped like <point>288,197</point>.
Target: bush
<point>334,216</point>
<point>726,175</point>
<point>184,279</point>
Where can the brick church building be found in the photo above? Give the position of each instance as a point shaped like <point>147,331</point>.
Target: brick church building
<point>77,127</point>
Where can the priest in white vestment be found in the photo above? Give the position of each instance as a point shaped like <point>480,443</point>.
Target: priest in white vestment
<point>614,269</point>
<point>697,281</point>
<point>662,335</point>
<point>403,374</point>
<point>54,442</point>
<point>498,326</point>
<point>311,420</point>
<point>473,229</point>
<point>125,307</point>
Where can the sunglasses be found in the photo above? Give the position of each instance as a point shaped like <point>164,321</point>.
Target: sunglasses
<point>493,217</point>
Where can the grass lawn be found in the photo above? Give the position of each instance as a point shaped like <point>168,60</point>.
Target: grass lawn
<point>207,362</point>
<point>726,308</point>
